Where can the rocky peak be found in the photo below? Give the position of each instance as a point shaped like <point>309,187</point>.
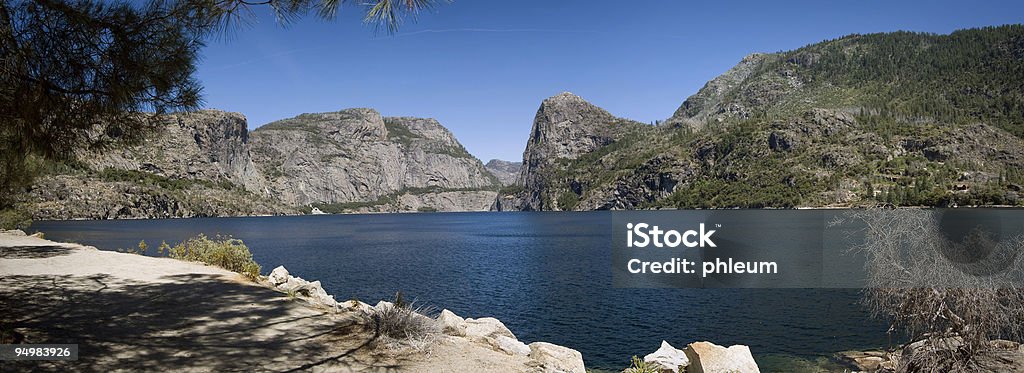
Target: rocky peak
<point>566,126</point>
<point>505,171</point>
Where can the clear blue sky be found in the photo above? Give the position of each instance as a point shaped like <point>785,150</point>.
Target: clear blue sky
<point>482,67</point>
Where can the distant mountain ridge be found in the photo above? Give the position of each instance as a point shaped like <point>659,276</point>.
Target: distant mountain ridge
<point>899,118</point>
<point>505,171</point>
<point>208,164</point>
<point>893,118</point>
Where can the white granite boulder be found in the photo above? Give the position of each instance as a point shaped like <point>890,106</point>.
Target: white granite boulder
<point>511,346</point>
<point>278,276</point>
<point>557,359</point>
<point>707,357</point>
<point>451,324</point>
<point>668,358</point>
<point>486,327</point>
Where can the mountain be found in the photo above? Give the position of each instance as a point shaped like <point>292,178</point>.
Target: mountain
<point>199,164</point>
<point>901,118</point>
<point>505,171</point>
<point>357,160</point>
<point>208,164</point>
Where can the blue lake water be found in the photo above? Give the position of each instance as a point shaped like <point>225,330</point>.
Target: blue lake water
<point>545,275</point>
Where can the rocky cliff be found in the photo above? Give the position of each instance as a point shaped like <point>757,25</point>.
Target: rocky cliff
<point>897,118</point>
<point>358,160</point>
<point>197,164</point>
<point>505,171</point>
<point>207,163</point>
<point>565,128</point>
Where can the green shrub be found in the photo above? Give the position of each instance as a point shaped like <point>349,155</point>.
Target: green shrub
<point>426,209</point>
<point>228,253</point>
<point>15,219</point>
<point>640,366</point>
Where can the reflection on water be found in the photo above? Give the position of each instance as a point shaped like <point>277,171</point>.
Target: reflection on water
<point>545,275</point>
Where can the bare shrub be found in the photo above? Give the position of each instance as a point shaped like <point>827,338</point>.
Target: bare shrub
<point>401,324</point>
<point>951,295</point>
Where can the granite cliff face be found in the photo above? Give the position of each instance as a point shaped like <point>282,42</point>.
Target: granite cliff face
<point>198,164</point>
<point>505,171</point>
<point>208,164</point>
<point>360,160</point>
<point>565,128</point>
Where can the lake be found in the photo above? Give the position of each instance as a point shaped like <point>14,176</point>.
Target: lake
<point>546,275</point>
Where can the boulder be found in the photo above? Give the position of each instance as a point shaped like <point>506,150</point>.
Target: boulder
<point>451,324</point>
<point>864,361</point>
<point>557,359</point>
<point>510,346</point>
<point>383,304</point>
<point>486,327</point>
<point>668,358</point>
<point>278,276</point>
<point>355,306</point>
<point>707,357</point>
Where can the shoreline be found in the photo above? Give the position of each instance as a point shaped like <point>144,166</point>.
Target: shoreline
<point>818,208</point>
<point>199,314</point>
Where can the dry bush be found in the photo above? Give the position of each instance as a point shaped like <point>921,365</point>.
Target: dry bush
<point>403,324</point>
<point>952,295</point>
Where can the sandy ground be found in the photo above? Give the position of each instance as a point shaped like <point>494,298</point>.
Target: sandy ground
<point>133,313</point>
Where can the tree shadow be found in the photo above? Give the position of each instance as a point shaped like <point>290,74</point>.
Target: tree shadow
<point>187,322</point>
<point>33,252</point>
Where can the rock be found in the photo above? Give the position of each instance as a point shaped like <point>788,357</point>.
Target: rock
<point>707,357</point>
<point>355,306</point>
<point>511,346</point>
<point>486,327</point>
<point>278,276</point>
<point>557,359</point>
<point>505,171</point>
<point>668,358</point>
<point>565,127</point>
<point>312,291</point>
<point>38,235</point>
<point>451,324</point>
<point>14,232</point>
<point>358,155</point>
<point>864,361</point>
<point>382,305</point>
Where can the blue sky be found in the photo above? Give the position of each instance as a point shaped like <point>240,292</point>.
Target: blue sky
<point>482,67</point>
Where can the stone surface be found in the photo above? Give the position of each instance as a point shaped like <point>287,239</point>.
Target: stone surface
<point>511,346</point>
<point>357,155</point>
<point>566,127</point>
<point>557,359</point>
<point>451,323</point>
<point>278,276</point>
<point>707,357</point>
<point>668,358</point>
<point>486,327</point>
<point>505,171</point>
